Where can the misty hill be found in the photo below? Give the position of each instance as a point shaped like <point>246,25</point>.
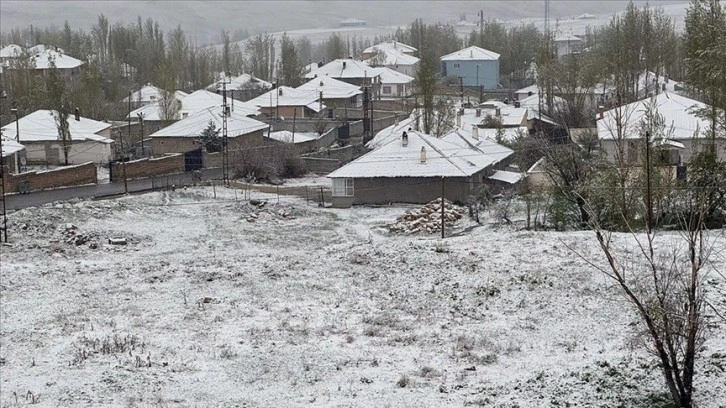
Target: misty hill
<point>203,20</point>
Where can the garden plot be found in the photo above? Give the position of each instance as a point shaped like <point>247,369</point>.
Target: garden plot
<point>321,307</point>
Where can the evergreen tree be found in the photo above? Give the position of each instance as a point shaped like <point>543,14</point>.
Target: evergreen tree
<point>210,138</point>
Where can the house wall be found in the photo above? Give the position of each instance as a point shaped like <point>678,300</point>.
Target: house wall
<point>81,152</point>
<point>416,190</point>
<point>165,145</point>
<point>60,177</point>
<point>396,90</point>
<point>287,111</point>
<point>409,70</point>
<point>692,147</point>
<point>488,72</point>
<point>148,167</point>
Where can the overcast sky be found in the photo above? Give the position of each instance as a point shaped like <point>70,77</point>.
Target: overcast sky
<point>204,20</point>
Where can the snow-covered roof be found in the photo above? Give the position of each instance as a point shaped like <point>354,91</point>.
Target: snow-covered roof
<point>485,145</point>
<point>394,57</point>
<point>195,102</point>
<point>532,103</point>
<point>62,61</point>
<point>243,81</point>
<point>11,147</point>
<point>472,53</point>
<point>331,88</point>
<point>11,51</point>
<point>390,45</point>
<point>681,122</point>
<point>286,136</point>
<point>238,124</point>
<point>508,114</point>
<point>527,89</point>
<point>509,177</point>
<point>389,76</point>
<point>385,135</point>
<point>150,93</point>
<point>286,96</point>
<point>343,68</point>
<point>567,38</point>
<point>393,159</point>
<point>40,126</point>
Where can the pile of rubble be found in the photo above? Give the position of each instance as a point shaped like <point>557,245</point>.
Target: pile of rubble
<point>259,210</point>
<point>73,236</point>
<point>427,218</point>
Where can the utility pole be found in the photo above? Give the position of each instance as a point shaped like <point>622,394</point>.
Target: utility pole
<point>123,158</point>
<point>443,234</point>
<point>225,150</point>
<point>141,122</point>
<point>294,117</point>
<point>14,111</point>
<point>461,90</point>
<point>4,230</point>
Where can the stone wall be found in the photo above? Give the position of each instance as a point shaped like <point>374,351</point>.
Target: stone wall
<point>61,177</point>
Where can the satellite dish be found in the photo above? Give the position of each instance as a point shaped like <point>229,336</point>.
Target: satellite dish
<point>23,161</point>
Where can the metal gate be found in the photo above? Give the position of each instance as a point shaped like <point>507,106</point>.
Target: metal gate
<point>344,131</point>
<point>193,160</point>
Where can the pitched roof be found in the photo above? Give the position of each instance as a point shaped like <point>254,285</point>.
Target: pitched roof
<point>567,38</point>
<point>485,145</point>
<point>390,45</point>
<point>472,53</point>
<point>11,147</point>
<point>443,159</point>
<point>331,88</point>
<point>40,126</point>
<point>237,124</point>
<point>150,93</point>
<point>62,61</point>
<point>286,136</point>
<point>343,68</point>
<point>391,132</point>
<point>242,81</point>
<point>389,76</point>
<point>394,57</point>
<point>11,51</point>
<point>681,122</point>
<point>286,96</point>
<point>195,102</point>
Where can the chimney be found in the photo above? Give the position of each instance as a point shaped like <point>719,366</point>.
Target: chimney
<point>478,112</point>
<point>475,132</point>
<point>517,104</point>
<point>321,83</point>
<point>395,118</point>
<point>404,139</point>
<point>666,78</point>
<point>458,120</point>
<point>78,115</point>
<point>471,53</point>
<point>601,111</point>
<point>664,87</point>
<point>279,91</point>
<point>423,154</point>
<point>498,112</point>
<point>344,64</point>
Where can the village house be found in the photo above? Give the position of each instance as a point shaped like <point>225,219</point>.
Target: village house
<point>567,44</point>
<point>475,66</point>
<point>412,167</point>
<point>242,87</point>
<point>335,94</point>
<point>347,70</point>
<point>190,105</point>
<point>393,84</point>
<point>183,136</point>
<point>42,58</point>
<point>9,53</point>
<point>89,139</point>
<point>390,45</point>
<point>395,60</point>
<point>286,102</point>
<point>149,94</point>
<point>683,133</point>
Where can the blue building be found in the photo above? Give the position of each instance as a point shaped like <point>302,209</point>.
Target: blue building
<point>476,66</point>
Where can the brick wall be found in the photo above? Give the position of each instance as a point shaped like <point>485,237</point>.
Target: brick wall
<point>60,177</point>
<point>173,163</point>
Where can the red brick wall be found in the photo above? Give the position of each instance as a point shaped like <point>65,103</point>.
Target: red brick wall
<point>60,177</point>
<point>173,163</point>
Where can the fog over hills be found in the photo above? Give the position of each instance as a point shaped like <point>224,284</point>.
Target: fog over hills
<point>203,20</point>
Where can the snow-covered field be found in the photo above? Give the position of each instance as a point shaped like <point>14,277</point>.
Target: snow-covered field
<point>315,307</point>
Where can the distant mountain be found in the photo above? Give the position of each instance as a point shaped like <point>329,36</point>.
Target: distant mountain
<point>203,20</point>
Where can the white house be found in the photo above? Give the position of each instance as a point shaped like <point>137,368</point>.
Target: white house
<point>149,94</point>
<point>90,139</point>
<point>347,70</point>
<point>289,102</point>
<point>393,84</point>
<point>191,104</point>
<point>390,45</point>
<point>395,60</point>
<point>681,134</point>
<point>335,93</point>
<point>567,44</point>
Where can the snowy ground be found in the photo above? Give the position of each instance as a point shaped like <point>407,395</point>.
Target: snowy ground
<point>313,307</point>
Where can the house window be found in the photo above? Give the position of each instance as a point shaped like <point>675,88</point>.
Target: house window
<point>456,66</point>
<point>386,89</point>
<point>343,187</point>
<point>399,89</point>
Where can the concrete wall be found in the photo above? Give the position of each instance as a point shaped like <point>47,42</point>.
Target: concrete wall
<point>148,167</point>
<point>488,72</point>
<point>81,152</point>
<point>321,166</point>
<point>60,177</point>
<point>417,190</point>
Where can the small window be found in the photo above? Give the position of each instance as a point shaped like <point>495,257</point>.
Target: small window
<point>399,88</point>
<point>456,65</point>
<point>386,89</point>
<point>343,187</point>
<point>185,115</point>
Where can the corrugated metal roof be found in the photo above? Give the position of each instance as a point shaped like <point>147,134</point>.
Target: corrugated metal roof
<point>472,53</point>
